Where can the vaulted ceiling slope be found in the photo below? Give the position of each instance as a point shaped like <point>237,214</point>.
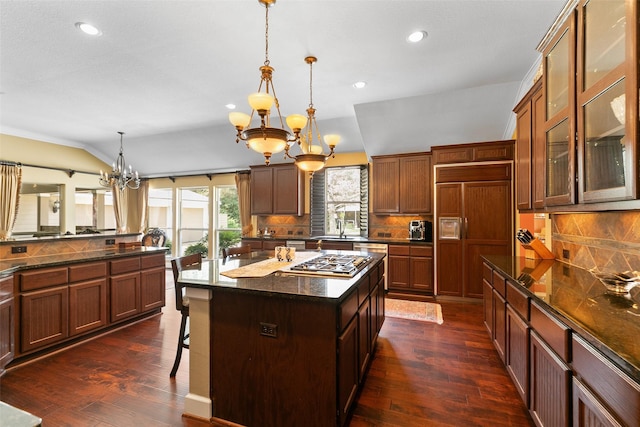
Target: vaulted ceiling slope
<point>163,72</point>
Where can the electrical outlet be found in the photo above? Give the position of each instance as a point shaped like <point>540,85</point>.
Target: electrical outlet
<point>565,253</point>
<point>110,242</point>
<point>268,330</point>
<point>18,249</point>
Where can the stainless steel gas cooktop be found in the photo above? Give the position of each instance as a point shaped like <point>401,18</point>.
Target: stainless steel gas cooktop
<point>333,265</point>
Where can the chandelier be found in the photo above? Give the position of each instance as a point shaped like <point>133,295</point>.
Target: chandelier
<point>119,176</point>
<point>313,157</point>
<point>264,138</point>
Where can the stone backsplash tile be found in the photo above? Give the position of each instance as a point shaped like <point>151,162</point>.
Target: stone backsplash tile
<point>608,241</point>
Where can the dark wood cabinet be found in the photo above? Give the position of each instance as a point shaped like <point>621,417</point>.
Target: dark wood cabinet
<point>152,282</point>
<point>348,368</point>
<point>124,292</point>
<point>410,269</point>
<point>401,184</point>
<point>329,245</point>
<point>7,312</point>
<point>548,372</point>
<point>474,202</point>
<point>88,306</point>
<point>55,305</point>
<point>517,352</point>
<point>87,297</point>
<point>277,190</point>
<point>474,152</point>
<point>44,317</point>
<point>603,391</point>
<point>529,150</point>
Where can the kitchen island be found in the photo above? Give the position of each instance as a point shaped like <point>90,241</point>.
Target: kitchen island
<point>281,349</point>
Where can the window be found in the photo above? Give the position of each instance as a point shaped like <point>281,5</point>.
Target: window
<point>339,201</point>
<point>160,212</point>
<point>193,228</point>
<point>228,230</point>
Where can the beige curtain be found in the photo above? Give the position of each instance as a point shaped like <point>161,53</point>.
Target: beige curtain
<point>137,208</point>
<point>10,180</point>
<point>119,209</point>
<point>243,185</point>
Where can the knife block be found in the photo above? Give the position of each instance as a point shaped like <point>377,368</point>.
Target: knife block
<point>537,250</point>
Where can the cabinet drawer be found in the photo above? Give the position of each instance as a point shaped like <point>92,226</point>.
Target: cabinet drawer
<point>423,251</point>
<point>500,284</point>
<point>556,334</point>
<point>363,289</point>
<point>612,386</point>
<point>124,265</point>
<point>151,261</point>
<point>93,270</point>
<point>398,250</point>
<point>348,309</point>
<point>487,273</point>
<point>43,278</point>
<point>518,300</point>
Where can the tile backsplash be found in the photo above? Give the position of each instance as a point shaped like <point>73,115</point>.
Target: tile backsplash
<point>609,241</point>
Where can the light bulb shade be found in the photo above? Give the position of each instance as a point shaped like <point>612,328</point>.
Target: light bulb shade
<point>260,101</point>
<point>315,149</point>
<point>268,140</point>
<point>332,139</point>
<point>239,120</point>
<point>310,162</point>
<point>296,122</point>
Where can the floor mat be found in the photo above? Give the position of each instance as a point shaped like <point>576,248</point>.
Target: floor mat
<point>414,310</point>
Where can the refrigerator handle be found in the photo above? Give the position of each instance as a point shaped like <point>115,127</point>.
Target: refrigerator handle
<point>466,227</point>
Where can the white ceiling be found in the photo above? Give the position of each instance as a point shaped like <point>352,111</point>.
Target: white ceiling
<point>163,70</point>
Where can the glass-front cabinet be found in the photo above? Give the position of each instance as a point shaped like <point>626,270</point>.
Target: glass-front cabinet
<point>607,103</point>
<point>559,95</point>
<point>591,102</point>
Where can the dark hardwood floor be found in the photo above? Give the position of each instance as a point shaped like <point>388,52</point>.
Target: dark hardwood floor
<point>423,374</point>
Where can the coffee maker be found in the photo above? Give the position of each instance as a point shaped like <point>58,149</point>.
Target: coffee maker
<point>421,230</point>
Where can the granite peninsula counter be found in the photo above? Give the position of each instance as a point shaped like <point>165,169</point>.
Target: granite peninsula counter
<point>280,349</point>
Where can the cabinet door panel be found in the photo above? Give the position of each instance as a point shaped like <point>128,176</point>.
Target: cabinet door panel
<point>44,317</point>
<point>550,383</point>
<point>415,184</point>
<point>125,296</point>
<point>288,187</point>
<point>588,411</point>
<point>500,325</point>
<point>364,337</point>
<point>524,158</point>
<point>385,182</point>
<point>517,353</point>
<point>399,268</point>
<point>422,273</point>
<point>7,342</point>
<point>261,191</point>
<point>88,306</point>
<point>152,288</point>
<point>348,369</point>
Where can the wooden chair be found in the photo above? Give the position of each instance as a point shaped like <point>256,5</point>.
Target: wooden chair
<point>182,303</point>
<point>235,251</point>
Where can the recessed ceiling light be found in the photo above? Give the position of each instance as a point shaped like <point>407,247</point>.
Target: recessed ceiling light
<point>359,85</point>
<point>416,36</point>
<point>88,29</point>
<point>231,106</point>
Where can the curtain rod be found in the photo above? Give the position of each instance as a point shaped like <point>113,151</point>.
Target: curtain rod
<point>69,172</point>
<point>72,172</point>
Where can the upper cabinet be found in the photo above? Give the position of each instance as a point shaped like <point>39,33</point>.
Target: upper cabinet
<point>590,91</point>
<point>529,151</point>
<point>277,189</point>
<point>401,184</point>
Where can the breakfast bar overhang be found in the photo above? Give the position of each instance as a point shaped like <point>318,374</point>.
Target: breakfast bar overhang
<point>281,349</point>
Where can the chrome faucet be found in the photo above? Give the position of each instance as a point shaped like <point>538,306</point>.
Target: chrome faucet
<point>341,228</point>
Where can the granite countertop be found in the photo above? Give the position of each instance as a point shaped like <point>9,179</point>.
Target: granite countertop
<point>610,322</point>
<point>350,239</point>
<point>9,266</point>
<point>295,286</point>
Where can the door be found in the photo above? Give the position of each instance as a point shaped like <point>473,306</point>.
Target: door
<point>480,198</point>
